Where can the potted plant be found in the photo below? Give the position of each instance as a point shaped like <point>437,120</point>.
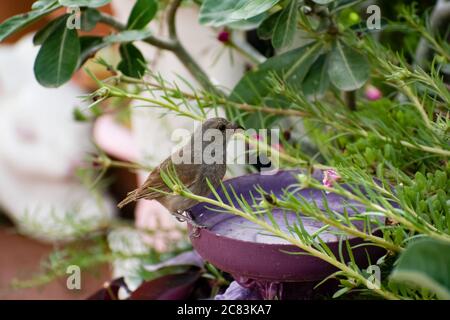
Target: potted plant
<point>364,126</point>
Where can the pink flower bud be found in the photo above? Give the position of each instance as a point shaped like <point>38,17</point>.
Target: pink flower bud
<point>223,36</point>
<point>278,147</point>
<point>329,177</point>
<point>373,93</point>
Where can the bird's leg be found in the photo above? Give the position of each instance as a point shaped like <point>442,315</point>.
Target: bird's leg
<point>186,216</point>
<point>179,216</point>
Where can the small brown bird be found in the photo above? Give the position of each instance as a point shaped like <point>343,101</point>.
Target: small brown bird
<point>202,159</point>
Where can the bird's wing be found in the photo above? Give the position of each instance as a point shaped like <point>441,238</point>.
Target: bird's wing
<point>187,174</point>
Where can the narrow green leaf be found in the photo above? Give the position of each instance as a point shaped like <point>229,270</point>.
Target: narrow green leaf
<point>285,26</point>
<point>84,3</point>
<point>142,13</point>
<point>341,292</point>
<point>18,22</point>
<point>57,59</point>
<point>348,69</point>
<point>425,263</point>
<point>132,63</point>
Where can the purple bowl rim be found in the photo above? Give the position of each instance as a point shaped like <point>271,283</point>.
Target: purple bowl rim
<point>274,245</point>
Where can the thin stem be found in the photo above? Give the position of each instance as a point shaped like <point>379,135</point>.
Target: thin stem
<point>413,98</point>
<point>173,45</point>
<point>217,100</point>
<point>161,104</point>
<point>171,23</point>
<point>195,69</point>
<point>349,230</point>
<point>277,154</point>
<point>247,52</point>
<point>350,99</point>
<point>111,21</point>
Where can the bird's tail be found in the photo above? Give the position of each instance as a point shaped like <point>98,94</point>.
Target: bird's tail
<point>131,196</point>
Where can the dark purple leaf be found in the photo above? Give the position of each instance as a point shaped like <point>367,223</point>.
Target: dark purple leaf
<point>109,291</point>
<point>169,287</point>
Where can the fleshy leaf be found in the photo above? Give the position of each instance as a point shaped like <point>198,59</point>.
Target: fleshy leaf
<point>142,13</point>
<point>89,45</point>
<point>43,34</point>
<point>317,80</point>
<point>18,22</point>
<point>132,61</point>
<point>284,31</point>
<point>219,13</point>
<point>128,36</point>
<point>89,19</point>
<point>425,263</point>
<point>348,69</point>
<point>57,59</point>
<point>84,3</point>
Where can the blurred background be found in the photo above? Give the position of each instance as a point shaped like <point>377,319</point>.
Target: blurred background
<point>54,186</point>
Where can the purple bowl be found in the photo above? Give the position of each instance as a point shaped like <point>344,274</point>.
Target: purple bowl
<point>232,245</point>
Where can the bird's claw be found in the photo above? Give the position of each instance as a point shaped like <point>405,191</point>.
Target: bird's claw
<point>186,217</point>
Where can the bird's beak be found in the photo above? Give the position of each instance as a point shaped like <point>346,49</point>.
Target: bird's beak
<point>235,126</point>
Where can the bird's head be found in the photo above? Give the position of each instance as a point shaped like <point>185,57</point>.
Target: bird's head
<point>220,124</point>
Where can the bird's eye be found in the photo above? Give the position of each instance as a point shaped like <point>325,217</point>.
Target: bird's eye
<point>222,127</point>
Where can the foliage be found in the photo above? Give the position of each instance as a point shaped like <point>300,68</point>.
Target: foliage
<point>391,154</point>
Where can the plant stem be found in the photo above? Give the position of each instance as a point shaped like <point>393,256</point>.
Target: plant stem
<point>217,100</point>
<point>413,98</point>
<point>196,71</point>
<point>173,45</point>
<point>247,52</point>
<point>350,99</point>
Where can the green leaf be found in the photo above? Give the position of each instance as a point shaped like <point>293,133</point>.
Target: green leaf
<point>219,13</point>
<point>248,24</point>
<point>89,19</point>
<point>133,61</point>
<point>291,66</point>
<point>128,36</point>
<point>341,292</point>
<point>256,87</point>
<point>89,45</point>
<point>265,30</point>
<point>43,34</point>
<point>41,4</point>
<point>285,27</point>
<point>425,263</point>
<point>323,1</point>
<point>317,81</point>
<point>348,69</point>
<point>142,13</point>
<point>18,22</point>
<point>57,59</point>
<point>84,3</point>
